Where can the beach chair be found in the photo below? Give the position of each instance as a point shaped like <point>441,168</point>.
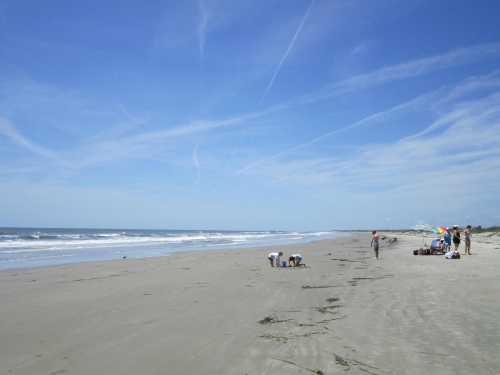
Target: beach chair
<point>437,247</point>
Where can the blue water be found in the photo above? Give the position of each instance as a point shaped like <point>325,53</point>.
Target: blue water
<point>35,247</point>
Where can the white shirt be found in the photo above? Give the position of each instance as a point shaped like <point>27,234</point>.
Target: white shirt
<point>274,255</point>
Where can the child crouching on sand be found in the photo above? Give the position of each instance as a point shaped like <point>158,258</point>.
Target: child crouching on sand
<point>295,260</point>
<point>275,258</point>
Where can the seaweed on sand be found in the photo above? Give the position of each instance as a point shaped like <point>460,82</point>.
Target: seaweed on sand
<point>328,309</point>
<point>272,319</point>
<point>332,299</point>
<point>318,286</point>
<point>313,371</point>
<point>347,364</point>
<point>346,260</point>
<point>341,361</point>
<point>283,339</point>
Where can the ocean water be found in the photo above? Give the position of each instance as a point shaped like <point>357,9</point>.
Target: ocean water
<point>35,247</point>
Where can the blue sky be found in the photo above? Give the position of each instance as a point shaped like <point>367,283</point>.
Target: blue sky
<point>301,115</point>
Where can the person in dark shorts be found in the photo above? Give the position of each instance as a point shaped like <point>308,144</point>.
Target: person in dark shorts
<point>295,260</point>
<point>467,237</point>
<point>374,244</point>
<point>456,237</point>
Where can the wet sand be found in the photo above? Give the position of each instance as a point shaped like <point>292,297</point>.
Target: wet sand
<point>230,313</point>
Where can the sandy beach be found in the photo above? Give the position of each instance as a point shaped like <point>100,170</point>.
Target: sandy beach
<point>229,312</point>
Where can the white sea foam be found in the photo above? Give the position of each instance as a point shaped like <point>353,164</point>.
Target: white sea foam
<point>49,247</point>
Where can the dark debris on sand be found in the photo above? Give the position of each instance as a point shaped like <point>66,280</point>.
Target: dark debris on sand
<point>318,286</point>
<point>272,320</point>
<point>347,364</point>
<point>332,299</point>
<point>328,309</point>
<point>313,371</point>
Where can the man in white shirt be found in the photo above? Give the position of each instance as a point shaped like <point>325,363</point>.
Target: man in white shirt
<point>275,258</point>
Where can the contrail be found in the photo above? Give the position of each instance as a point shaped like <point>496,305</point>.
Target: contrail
<point>9,131</point>
<point>196,163</point>
<point>424,98</point>
<point>289,49</point>
<point>202,27</point>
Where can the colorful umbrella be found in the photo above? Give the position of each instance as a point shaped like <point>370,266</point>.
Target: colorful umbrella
<point>439,230</point>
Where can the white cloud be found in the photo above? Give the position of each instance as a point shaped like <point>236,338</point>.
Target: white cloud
<point>106,147</point>
<point>360,48</point>
<point>460,56</point>
<point>459,156</point>
<point>409,69</point>
<point>418,102</point>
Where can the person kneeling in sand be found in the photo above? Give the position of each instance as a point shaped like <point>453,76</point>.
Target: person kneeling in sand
<point>274,258</point>
<point>295,260</point>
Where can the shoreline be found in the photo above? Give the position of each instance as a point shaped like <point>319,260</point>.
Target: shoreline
<point>60,250</point>
<point>228,312</point>
<point>190,252</point>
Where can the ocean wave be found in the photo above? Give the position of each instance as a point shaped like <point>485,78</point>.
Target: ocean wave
<point>39,241</point>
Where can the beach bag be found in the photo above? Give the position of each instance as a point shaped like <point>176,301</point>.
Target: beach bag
<point>452,255</point>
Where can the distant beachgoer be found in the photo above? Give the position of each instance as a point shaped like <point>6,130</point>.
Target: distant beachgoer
<point>295,260</point>
<point>374,243</point>
<point>447,239</point>
<point>467,235</point>
<point>275,258</point>
<point>456,237</point>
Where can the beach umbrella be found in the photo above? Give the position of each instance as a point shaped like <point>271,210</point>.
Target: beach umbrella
<point>439,230</point>
<point>429,228</point>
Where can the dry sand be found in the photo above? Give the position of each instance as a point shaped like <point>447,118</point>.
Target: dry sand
<point>230,313</point>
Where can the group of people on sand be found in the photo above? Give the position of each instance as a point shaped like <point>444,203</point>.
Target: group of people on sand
<point>294,260</point>
<point>442,245</point>
<point>455,237</point>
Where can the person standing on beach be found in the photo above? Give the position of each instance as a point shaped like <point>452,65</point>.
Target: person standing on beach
<point>374,243</point>
<point>456,237</point>
<point>467,235</point>
<point>447,239</point>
